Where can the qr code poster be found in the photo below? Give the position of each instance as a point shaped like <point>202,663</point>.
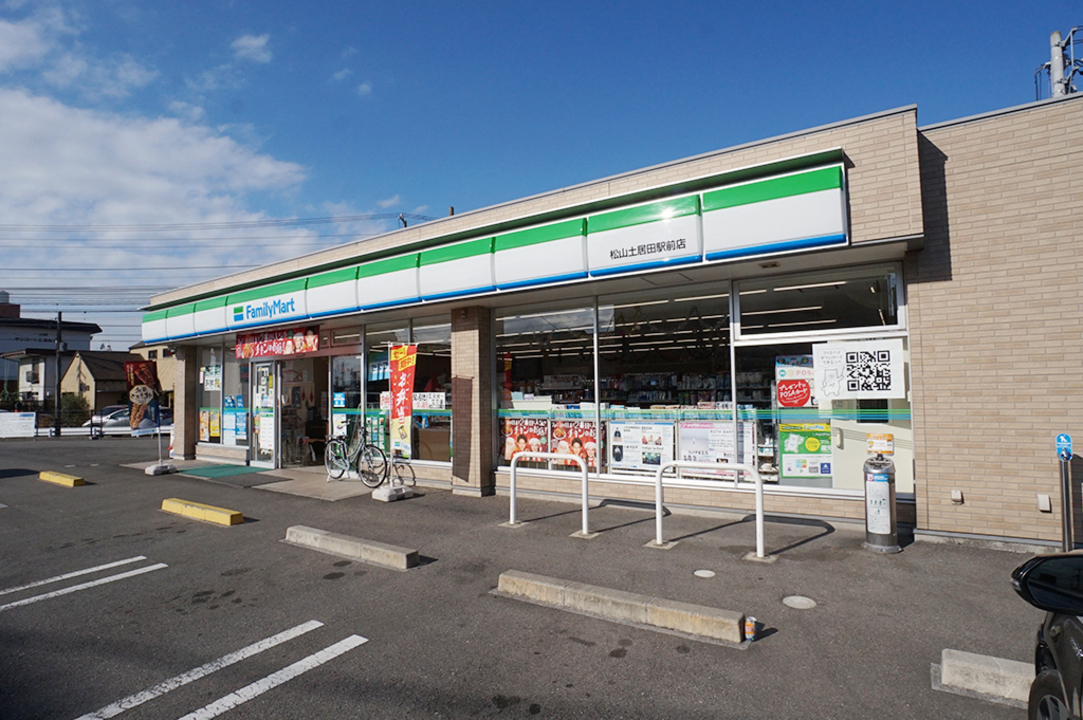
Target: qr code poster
<point>864,370</point>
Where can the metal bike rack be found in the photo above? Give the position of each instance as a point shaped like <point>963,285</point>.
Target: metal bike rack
<point>736,468</point>
<point>550,456</point>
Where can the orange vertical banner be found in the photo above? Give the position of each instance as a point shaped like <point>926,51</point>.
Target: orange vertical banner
<point>403,364</point>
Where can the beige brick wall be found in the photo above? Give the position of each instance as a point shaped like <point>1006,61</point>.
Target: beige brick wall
<point>882,171</point>
<point>471,400</point>
<point>996,304</point>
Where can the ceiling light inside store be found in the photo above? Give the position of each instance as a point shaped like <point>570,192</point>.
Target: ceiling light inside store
<point>834,283</point>
<point>701,297</point>
<point>784,310</point>
<point>644,304</point>
<point>752,292</point>
<point>809,322</point>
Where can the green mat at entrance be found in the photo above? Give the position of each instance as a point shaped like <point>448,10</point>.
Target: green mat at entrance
<point>217,471</point>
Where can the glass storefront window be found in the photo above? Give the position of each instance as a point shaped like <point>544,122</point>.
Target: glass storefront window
<point>235,401</point>
<point>820,302</point>
<point>210,394</point>
<point>431,435</point>
<point>379,337</point>
<point>545,367</point>
<point>806,408</point>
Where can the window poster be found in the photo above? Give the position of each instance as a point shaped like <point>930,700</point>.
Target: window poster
<point>795,381</point>
<point>861,370</point>
<point>205,425</point>
<point>577,437</point>
<point>522,434</point>
<point>805,450</point>
<point>712,442</point>
<point>641,446</point>
<point>265,430</point>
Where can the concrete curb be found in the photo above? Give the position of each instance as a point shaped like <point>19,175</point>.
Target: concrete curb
<point>991,678</point>
<point>368,551</point>
<point>697,621</point>
<point>199,511</point>
<point>59,478</point>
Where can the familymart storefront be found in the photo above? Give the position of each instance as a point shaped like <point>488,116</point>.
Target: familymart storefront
<point>721,318</point>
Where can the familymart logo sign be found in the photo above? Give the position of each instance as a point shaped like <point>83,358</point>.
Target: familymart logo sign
<point>265,310</point>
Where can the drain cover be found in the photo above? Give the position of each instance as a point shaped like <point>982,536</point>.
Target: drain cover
<point>704,573</point>
<point>799,602</point>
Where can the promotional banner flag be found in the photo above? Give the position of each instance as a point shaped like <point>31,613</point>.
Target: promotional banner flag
<point>143,389</point>
<point>403,365</point>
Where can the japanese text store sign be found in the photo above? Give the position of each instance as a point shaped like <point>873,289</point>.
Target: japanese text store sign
<point>403,366</point>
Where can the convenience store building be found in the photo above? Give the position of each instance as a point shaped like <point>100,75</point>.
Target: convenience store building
<point>782,303</point>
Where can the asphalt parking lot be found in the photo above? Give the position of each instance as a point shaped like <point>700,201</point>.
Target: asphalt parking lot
<point>438,642</point>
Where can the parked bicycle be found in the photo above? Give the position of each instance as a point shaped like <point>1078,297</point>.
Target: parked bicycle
<point>339,457</point>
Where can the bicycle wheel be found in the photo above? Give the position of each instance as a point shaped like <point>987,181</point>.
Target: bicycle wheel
<point>372,466</point>
<point>334,459</point>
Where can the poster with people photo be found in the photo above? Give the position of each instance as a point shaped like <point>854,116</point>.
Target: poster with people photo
<point>577,437</point>
<point>522,434</point>
<point>641,446</point>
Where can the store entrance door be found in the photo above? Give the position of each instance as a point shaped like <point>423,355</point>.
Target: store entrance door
<point>302,411</point>
<point>263,414</point>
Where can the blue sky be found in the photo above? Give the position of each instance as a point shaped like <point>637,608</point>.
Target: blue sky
<point>133,113</point>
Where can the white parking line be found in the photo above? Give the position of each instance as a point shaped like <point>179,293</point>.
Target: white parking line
<point>202,671</point>
<point>84,586</point>
<point>77,573</point>
<point>273,680</point>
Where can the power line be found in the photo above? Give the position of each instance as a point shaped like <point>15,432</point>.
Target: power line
<point>163,227</point>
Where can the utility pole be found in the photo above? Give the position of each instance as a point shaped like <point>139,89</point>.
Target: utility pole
<point>56,382</point>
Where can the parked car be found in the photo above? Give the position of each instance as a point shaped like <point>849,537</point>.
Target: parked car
<point>1054,583</point>
<point>99,417</point>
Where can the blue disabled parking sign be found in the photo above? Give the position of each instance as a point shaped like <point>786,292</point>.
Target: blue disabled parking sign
<point>1064,446</point>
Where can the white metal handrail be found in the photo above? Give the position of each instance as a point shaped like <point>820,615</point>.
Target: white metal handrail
<point>736,468</point>
<point>550,456</point>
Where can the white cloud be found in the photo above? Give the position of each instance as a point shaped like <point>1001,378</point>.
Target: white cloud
<point>188,111</point>
<point>343,74</point>
<point>70,166</point>
<point>113,78</point>
<point>364,89</point>
<point>389,202</point>
<point>21,43</point>
<point>252,47</point>
<point>349,52</point>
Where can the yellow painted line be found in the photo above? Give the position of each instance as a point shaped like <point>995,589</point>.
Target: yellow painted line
<point>60,478</point>
<point>199,511</point>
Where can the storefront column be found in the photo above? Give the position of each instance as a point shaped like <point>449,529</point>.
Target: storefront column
<point>185,402</point>
<point>472,402</point>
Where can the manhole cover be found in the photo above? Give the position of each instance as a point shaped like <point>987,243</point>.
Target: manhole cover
<point>704,573</point>
<point>799,602</point>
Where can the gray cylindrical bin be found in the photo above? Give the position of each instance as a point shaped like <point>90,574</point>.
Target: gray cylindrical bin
<point>881,526</point>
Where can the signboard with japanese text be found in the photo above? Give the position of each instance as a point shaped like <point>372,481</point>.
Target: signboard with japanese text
<point>294,341</point>
<point>577,437</point>
<point>795,381</point>
<point>403,366</point>
<point>524,434</point>
<point>143,389</point>
<point>712,441</point>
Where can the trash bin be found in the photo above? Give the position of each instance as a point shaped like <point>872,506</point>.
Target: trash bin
<point>881,526</point>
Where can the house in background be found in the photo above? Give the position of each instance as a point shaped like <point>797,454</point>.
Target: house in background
<point>20,336</point>
<point>98,377</point>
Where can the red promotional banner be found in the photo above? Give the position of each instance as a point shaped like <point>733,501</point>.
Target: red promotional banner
<point>278,342</point>
<point>143,389</point>
<point>403,366</point>
<point>577,437</point>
